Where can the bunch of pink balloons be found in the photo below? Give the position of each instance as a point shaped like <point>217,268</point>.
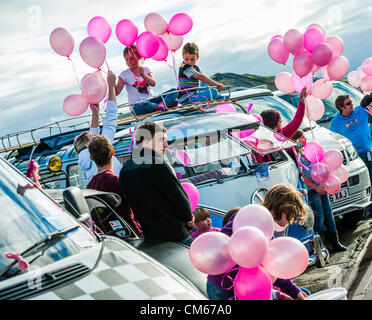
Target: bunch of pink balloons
<point>311,51</point>
<point>160,36</point>
<point>362,77</point>
<point>192,193</point>
<point>251,247</point>
<point>328,168</point>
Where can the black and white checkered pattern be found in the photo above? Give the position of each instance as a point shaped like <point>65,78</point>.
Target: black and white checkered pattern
<point>124,273</point>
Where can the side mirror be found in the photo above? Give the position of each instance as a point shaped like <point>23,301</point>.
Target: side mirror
<point>76,204</point>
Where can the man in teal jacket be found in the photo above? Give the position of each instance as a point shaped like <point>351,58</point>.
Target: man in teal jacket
<point>353,124</point>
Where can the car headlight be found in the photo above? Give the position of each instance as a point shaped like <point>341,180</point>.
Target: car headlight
<point>351,152</point>
<point>54,164</point>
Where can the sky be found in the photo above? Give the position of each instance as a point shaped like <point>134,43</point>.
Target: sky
<point>232,37</point>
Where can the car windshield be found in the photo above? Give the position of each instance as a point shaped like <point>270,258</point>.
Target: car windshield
<point>339,88</point>
<point>28,216</point>
<point>286,110</point>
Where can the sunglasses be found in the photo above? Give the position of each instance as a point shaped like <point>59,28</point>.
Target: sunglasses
<point>348,103</point>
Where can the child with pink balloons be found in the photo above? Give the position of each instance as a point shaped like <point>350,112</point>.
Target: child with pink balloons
<point>318,199</point>
<point>190,76</point>
<point>286,207</point>
<point>137,81</point>
<point>202,222</point>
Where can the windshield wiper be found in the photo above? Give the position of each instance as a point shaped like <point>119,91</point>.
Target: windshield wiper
<point>40,246</point>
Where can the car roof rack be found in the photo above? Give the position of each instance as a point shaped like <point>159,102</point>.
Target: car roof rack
<point>12,141</point>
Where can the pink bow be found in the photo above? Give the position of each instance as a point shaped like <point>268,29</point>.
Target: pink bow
<point>22,264</point>
<point>142,83</point>
<point>32,172</point>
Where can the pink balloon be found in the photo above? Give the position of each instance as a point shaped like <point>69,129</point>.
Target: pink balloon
<point>248,247</point>
<point>342,173</point>
<point>93,88</point>
<point>147,44</point>
<point>312,38</point>
<point>126,32</point>
<point>354,79</point>
<point>367,66</point>
<point>100,28</point>
<point>366,83</point>
<point>155,23</point>
<point>325,73</point>
<point>319,172</point>
<point>192,193</point>
<point>300,83</point>
<point>338,68</point>
<point>209,253</point>
<point>61,42</point>
<point>336,44</point>
<point>255,215</point>
<point>313,152</point>
<point>302,63</point>
<point>257,116</point>
<point>182,156</point>
<point>279,137</point>
<point>225,108</point>
<point>317,25</point>
<point>246,133</point>
<point>315,108</point>
<point>180,24</point>
<point>286,258</point>
<point>277,36</point>
<point>277,51</point>
<point>283,81</point>
<point>293,41</point>
<point>322,54</point>
<point>332,184</point>
<point>252,284</point>
<point>75,105</point>
<point>360,73</point>
<point>162,52</point>
<point>173,42</point>
<point>321,89</point>
<point>333,159</point>
<point>93,52</point>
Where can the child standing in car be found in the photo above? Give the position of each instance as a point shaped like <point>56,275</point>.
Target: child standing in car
<point>190,76</point>
<point>137,81</point>
<point>202,222</point>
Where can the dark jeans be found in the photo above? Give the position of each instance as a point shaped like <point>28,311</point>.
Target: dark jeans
<point>217,293</point>
<point>151,104</point>
<point>323,214</point>
<point>200,96</point>
<point>368,163</point>
<point>187,241</point>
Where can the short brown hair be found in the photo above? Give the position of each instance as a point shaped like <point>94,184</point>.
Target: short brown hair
<point>80,141</point>
<point>228,215</point>
<point>339,102</point>
<point>200,214</point>
<point>190,48</point>
<point>100,149</point>
<point>270,118</point>
<point>142,132</point>
<point>283,198</point>
<point>131,49</point>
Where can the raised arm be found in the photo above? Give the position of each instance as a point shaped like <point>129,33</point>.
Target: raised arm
<point>204,78</point>
<point>110,124</point>
<point>291,128</point>
<point>94,127</point>
<point>147,77</point>
<point>119,86</point>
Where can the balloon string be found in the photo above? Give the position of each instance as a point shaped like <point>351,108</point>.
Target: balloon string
<point>226,274</point>
<point>73,67</point>
<point>311,129</point>
<point>108,68</point>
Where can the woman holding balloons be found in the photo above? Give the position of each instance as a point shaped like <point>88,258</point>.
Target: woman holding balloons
<point>318,199</point>
<point>286,207</point>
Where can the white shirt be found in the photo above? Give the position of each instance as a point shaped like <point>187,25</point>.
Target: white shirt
<point>109,128</point>
<point>129,80</point>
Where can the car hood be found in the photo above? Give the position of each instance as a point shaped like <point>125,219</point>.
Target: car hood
<point>326,138</point>
<point>121,273</point>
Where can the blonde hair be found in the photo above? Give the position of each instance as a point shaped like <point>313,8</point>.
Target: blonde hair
<point>80,141</point>
<point>283,199</point>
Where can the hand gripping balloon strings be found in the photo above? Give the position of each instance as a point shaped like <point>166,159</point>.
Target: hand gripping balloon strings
<point>22,264</point>
<point>300,163</point>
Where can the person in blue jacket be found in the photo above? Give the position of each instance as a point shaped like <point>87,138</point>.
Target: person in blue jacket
<point>353,124</point>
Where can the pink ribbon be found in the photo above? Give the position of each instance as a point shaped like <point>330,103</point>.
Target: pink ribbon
<point>32,172</point>
<point>22,264</point>
<point>142,83</point>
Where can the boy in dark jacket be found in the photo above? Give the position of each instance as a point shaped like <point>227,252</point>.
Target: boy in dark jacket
<point>153,191</point>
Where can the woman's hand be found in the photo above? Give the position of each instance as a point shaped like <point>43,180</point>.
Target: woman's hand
<point>303,95</point>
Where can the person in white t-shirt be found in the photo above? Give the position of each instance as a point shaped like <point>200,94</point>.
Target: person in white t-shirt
<point>138,81</point>
<point>81,142</point>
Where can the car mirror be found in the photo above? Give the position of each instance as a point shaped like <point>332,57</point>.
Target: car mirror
<point>76,204</point>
